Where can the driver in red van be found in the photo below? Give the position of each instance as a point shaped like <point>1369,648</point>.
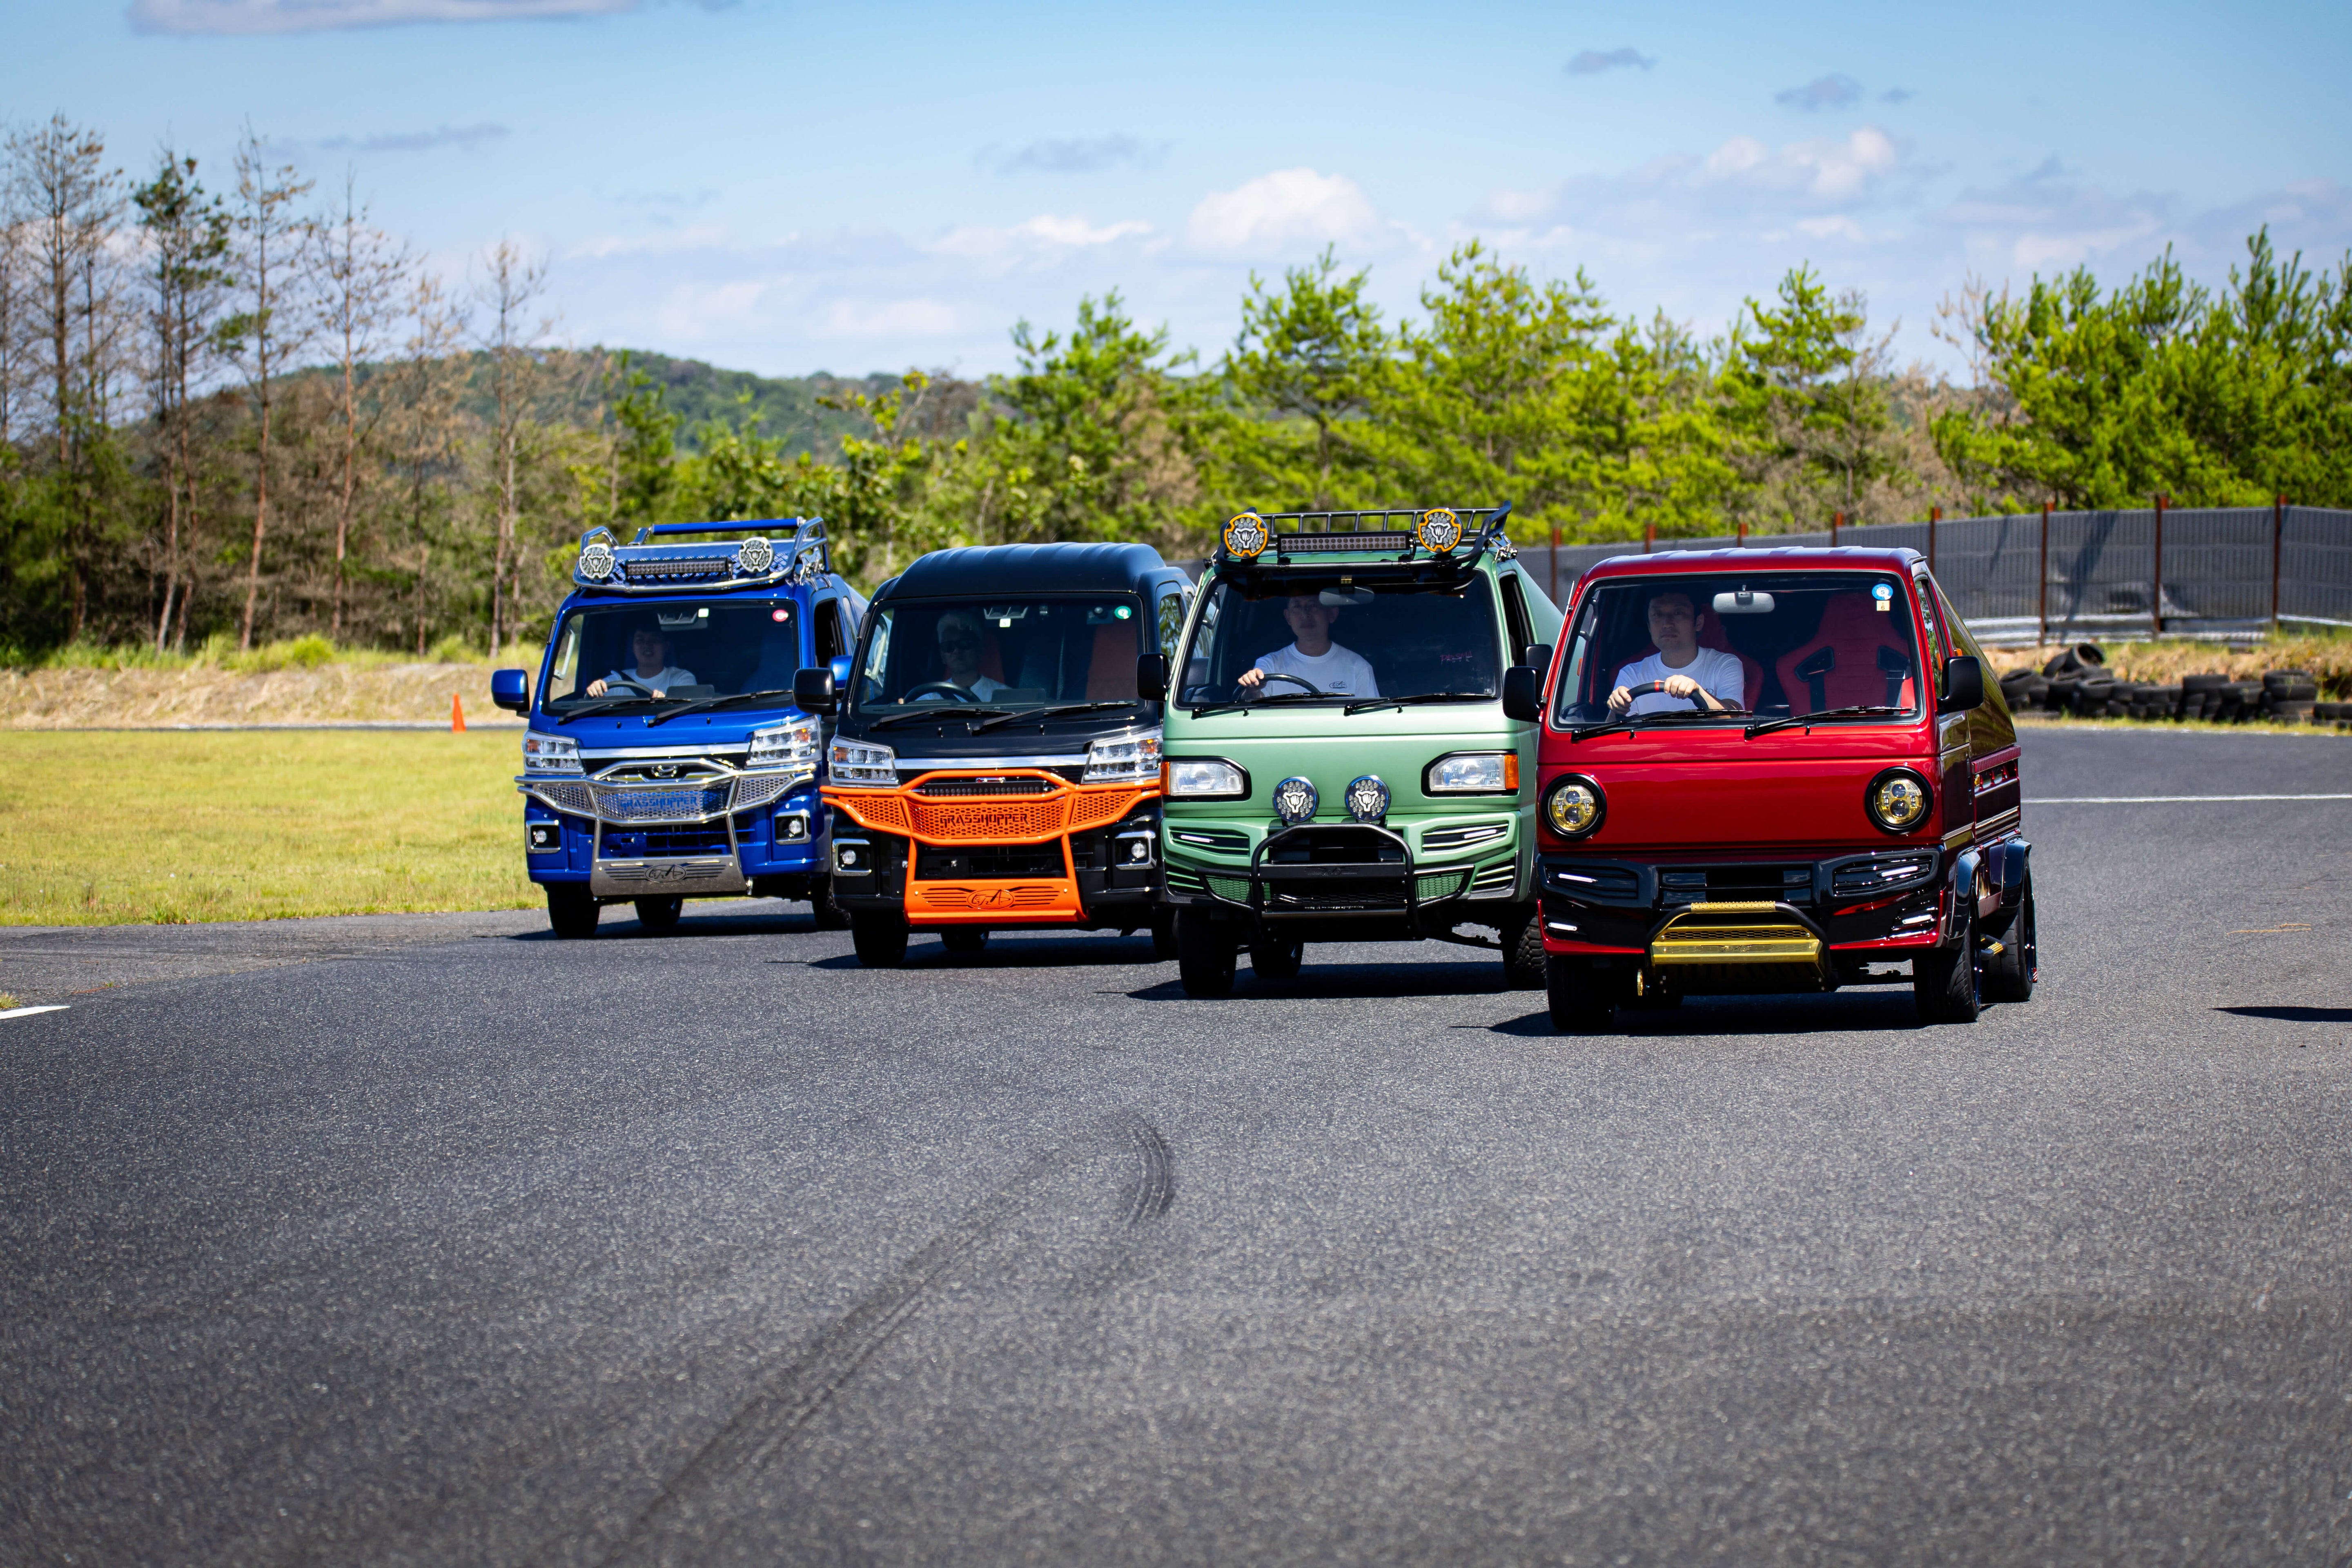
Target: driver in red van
<point>1695,676</point>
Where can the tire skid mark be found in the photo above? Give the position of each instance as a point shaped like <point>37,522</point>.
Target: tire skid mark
<point>1155,1186</point>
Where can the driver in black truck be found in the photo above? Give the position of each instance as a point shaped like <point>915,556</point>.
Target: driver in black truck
<point>1694,677</point>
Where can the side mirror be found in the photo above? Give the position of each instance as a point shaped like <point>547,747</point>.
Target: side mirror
<point>511,690</point>
<point>813,690</point>
<point>1523,693</point>
<point>1964,685</point>
<point>1537,657</point>
<point>1152,677</point>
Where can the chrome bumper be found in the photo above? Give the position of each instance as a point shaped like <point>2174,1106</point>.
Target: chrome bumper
<point>641,794</point>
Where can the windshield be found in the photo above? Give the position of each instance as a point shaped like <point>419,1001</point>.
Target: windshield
<point>1761,645</point>
<point>670,653</point>
<point>1323,637</point>
<point>1007,654</point>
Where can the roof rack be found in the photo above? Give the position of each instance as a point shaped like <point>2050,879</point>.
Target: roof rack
<point>1482,528</point>
<point>803,554</point>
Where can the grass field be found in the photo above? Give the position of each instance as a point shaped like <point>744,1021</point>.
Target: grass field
<point>106,830</point>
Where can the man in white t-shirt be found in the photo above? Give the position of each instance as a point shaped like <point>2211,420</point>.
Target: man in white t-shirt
<point>961,636</point>
<point>654,672</point>
<point>1696,677</point>
<point>1314,655</point>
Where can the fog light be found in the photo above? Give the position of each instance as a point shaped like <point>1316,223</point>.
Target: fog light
<point>1294,800</point>
<point>1139,851</point>
<point>792,829</point>
<point>545,837</point>
<point>851,856</point>
<point>1367,798</point>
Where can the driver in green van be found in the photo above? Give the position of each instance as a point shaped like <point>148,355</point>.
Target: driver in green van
<point>1312,655</point>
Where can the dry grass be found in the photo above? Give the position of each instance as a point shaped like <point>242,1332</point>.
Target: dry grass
<point>142,697</point>
<point>108,830</point>
<point>2330,659</point>
<point>7,1000</point>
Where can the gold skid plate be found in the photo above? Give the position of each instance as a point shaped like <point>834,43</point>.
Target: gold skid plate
<point>1702,934</point>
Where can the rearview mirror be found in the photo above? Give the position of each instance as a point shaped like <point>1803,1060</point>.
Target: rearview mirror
<point>1964,685</point>
<point>511,690</point>
<point>814,691</point>
<point>1523,693</point>
<point>1152,677</point>
<point>1743,602</point>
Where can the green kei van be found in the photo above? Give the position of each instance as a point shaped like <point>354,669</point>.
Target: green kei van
<point>1338,763</point>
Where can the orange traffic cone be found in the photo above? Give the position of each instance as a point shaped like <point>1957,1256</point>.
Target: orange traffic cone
<point>457,715</point>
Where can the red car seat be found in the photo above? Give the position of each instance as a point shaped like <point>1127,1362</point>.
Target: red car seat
<point>1110,664</point>
<point>1710,635</point>
<point>1858,658</point>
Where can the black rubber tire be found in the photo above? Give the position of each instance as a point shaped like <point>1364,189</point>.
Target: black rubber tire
<point>572,911</point>
<point>880,939</point>
<point>659,916</point>
<point>1944,982</point>
<point>965,941</point>
<point>1523,951</point>
<point>1163,935</point>
<point>1578,1005</point>
<point>1206,953</point>
<point>1276,958</point>
<point>2009,976</point>
<point>830,915</point>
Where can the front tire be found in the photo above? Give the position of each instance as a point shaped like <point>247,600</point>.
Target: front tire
<point>1206,955</point>
<point>1524,968</point>
<point>1580,1000</point>
<point>2011,974</point>
<point>659,916</point>
<point>1944,982</point>
<point>572,911</point>
<point>964,942</point>
<point>1163,935</point>
<point>880,939</point>
<point>830,915</point>
<point>1276,958</point>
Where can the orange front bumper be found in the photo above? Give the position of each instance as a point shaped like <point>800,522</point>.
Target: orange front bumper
<point>1051,814</point>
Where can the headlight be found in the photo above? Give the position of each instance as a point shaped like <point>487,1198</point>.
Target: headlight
<point>1131,758</point>
<point>550,754</point>
<point>1473,772</point>
<point>1294,800</point>
<point>791,745</point>
<point>1897,800</point>
<point>1367,798</point>
<point>1574,806</point>
<point>861,765</point>
<point>1203,778</point>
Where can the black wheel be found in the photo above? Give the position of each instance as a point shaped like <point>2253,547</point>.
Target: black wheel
<point>659,916</point>
<point>1163,935</point>
<point>1581,1001</point>
<point>1206,955</point>
<point>880,939</point>
<point>830,915</point>
<point>964,942</point>
<point>1276,958</point>
<point>572,911</point>
<point>1944,982</point>
<point>2009,975</point>
<point>1523,951</point>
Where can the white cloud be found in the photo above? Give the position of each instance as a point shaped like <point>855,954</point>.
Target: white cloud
<point>872,319</point>
<point>1831,169</point>
<point>1040,240</point>
<point>1282,211</point>
<point>322,15</point>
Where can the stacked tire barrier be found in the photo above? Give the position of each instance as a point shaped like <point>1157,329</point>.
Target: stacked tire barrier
<point>2078,682</point>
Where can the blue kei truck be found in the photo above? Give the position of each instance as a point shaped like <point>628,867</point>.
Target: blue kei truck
<point>666,758</point>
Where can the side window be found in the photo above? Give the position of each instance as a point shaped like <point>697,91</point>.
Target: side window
<point>1171,618</point>
<point>563,678</point>
<point>829,642</point>
<point>1514,616</point>
<point>1939,633</point>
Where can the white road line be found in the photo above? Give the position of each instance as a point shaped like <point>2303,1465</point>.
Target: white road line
<point>28,1012</point>
<point>2165,799</point>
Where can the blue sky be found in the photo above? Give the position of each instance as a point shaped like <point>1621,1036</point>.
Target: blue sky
<point>787,187</point>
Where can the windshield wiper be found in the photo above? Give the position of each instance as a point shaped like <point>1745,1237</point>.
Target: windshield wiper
<point>701,704</point>
<point>1264,702</point>
<point>1368,703</point>
<point>1057,709</point>
<point>939,711</point>
<point>1641,721</point>
<point>1768,725</point>
<point>604,705</point>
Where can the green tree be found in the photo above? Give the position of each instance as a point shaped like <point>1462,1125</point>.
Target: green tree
<point>1805,393</point>
<point>1301,373</point>
<point>1656,439</point>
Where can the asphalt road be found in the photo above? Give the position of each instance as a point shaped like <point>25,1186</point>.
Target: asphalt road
<point>479,1247</point>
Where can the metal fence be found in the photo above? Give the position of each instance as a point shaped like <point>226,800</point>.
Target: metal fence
<point>2225,572</point>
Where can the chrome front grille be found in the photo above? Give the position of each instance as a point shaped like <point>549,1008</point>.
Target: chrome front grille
<point>630,794</point>
<point>1441,838</point>
<point>638,803</point>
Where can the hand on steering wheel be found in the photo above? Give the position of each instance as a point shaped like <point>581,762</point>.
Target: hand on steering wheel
<point>1243,690</point>
<point>947,686</point>
<point>608,685</point>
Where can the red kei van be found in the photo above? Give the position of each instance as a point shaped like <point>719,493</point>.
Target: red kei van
<point>1774,771</point>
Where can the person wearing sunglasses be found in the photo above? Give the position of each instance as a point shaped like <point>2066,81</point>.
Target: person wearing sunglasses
<point>961,634</point>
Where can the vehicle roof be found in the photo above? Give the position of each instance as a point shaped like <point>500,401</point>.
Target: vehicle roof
<point>1026,569</point>
<point>1816,558</point>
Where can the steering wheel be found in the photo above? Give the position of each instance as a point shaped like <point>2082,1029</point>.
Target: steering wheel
<point>1312,690</point>
<point>1647,688</point>
<point>948,687</point>
<point>640,691</point>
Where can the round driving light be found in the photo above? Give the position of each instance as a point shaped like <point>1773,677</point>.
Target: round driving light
<point>1247,536</point>
<point>754,556</point>
<point>1367,798</point>
<point>1295,801</point>
<point>1897,800</point>
<point>1574,806</point>
<point>1439,530</point>
<point>596,562</point>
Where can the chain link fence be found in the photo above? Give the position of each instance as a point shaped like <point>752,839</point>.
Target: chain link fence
<point>2223,573</point>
